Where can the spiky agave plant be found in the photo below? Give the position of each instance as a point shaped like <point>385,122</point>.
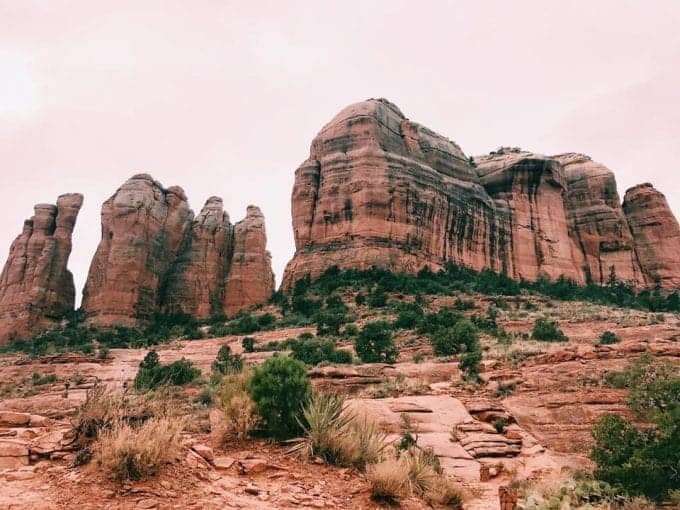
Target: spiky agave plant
<point>325,423</point>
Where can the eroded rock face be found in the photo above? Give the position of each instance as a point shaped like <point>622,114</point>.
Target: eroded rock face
<point>197,284</point>
<point>598,224</point>
<point>36,288</point>
<point>143,229</point>
<point>380,190</point>
<point>656,234</point>
<point>529,190</point>
<point>155,257</point>
<point>250,279</point>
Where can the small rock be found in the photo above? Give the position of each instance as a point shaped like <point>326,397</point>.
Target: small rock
<point>147,503</point>
<point>223,462</point>
<point>204,451</point>
<point>252,466</point>
<point>252,489</point>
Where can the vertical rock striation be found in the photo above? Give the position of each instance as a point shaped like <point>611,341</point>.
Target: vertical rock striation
<point>380,190</point>
<point>36,288</point>
<point>598,224</point>
<point>528,190</point>
<point>656,234</point>
<point>144,226</point>
<point>250,279</point>
<point>156,258</point>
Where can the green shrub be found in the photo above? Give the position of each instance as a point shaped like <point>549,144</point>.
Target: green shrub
<point>374,343</point>
<point>608,338</point>
<point>643,461</point>
<point>41,380</point>
<point>462,337</point>
<point>469,364</point>
<point>462,305</point>
<point>409,316</point>
<point>444,318</point>
<point>152,374</point>
<point>350,330</point>
<point>548,331</point>
<point>360,299</point>
<point>248,344</point>
<point>304,305</point>
<point>329,321</point>
<point>266,321</point>
<point>280,388</point>
<point>377,299</point>
<point>314,351</point>
<point>226,362</point>
<point>499,425</point>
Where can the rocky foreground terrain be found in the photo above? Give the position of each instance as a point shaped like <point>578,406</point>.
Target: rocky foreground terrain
<point>548,394</point>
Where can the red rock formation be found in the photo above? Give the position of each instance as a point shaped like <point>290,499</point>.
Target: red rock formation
<point>143,229</point>
<point>250,280</point>
<point>36,288</point>
<point>154,257</point>
<point>598,224</point>
<point>197,284</point>
<point>380,190</point>
<point>528,190</point>
<point>656,234</point>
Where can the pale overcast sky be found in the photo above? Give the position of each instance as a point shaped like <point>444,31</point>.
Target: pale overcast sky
<point>224,97</point>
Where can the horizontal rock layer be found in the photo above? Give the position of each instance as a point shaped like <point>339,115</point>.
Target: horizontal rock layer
<point>36,288</point>
<point>380,190</point>
<point>155,257</point>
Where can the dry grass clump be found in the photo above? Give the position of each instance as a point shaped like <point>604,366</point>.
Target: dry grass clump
<point>338,435</point>
<point>344,437</point>
<point>444,493</point>
<point>102,407</point>
<point>127,452</point>
<point>388,479</point>
<point>236,412</point>
<point>105,410</point>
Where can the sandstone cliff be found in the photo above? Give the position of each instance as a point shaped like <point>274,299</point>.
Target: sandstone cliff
<point>154,257</point>
<point>36,288</point>
<point>656,234</point>
<point>380,190</point>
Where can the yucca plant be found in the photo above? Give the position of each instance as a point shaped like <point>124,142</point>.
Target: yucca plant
<point>325,423</point>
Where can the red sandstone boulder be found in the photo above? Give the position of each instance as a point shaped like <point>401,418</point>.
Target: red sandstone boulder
<point>36,288</point>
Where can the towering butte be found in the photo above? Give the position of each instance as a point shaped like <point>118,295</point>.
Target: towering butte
<point>36,288</point>
<point>380,190</point>
<point>155,257</point>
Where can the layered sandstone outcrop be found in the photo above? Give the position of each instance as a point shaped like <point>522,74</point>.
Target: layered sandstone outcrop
<point>528,190</point>
<point>598,224</point>
<point>36,287</point>
<point>156,258</point>
<point>380,190</point>
<point>656,234</point>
